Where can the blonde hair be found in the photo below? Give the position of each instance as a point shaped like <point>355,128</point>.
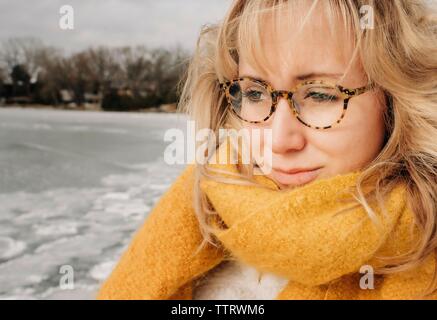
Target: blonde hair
<point>399,56</point>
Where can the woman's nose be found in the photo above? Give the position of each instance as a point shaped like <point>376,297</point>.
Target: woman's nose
<point>287,131</point>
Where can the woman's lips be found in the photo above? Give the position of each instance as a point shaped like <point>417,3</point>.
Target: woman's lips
<point>295,179</point>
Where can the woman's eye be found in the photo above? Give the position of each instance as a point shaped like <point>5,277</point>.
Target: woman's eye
<point>253,95</point>
<point>321,96</point>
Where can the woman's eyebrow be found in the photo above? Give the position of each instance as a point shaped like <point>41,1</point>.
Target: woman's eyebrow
<point>315,75</point>
<point>303,77</point>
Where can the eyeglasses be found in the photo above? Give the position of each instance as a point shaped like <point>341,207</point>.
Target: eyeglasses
<point>316,103</point>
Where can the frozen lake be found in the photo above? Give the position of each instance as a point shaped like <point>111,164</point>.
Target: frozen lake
<point>74,187</point>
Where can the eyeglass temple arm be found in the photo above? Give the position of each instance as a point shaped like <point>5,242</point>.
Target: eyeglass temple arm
<point>355,92</point>
<point>224,85</point>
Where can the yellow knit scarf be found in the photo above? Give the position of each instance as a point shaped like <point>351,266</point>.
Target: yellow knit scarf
<point>311,235</point>
<point>304,234</point>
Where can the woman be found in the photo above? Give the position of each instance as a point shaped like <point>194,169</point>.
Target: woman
<point>345,206</point>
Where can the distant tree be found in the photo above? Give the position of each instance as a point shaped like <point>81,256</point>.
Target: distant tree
<point>101,69</point>
<point>48,85</point>
<point>169,67</point>
<point>2,81</point>
<point>127,78</point>
<point>20,80</point>
<point>21,51</point>
<point>32,56</point>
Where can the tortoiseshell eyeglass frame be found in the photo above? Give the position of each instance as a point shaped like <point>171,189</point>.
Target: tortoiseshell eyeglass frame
<point>345,94</point>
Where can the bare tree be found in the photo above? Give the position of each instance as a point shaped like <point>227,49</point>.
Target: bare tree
<point>102,68</point>
<point>146,77</point>
<point>21,51</point>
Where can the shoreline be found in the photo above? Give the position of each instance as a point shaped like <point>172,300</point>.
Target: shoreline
<point>170,108</point>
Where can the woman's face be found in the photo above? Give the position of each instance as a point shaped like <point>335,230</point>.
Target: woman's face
<point>314,54</point>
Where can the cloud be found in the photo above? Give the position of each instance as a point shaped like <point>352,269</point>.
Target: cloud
<point>111,22</point>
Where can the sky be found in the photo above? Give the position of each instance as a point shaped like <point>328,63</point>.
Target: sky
<point>153,23</point>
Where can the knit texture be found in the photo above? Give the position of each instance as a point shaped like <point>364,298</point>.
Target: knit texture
<point>312,235</point>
